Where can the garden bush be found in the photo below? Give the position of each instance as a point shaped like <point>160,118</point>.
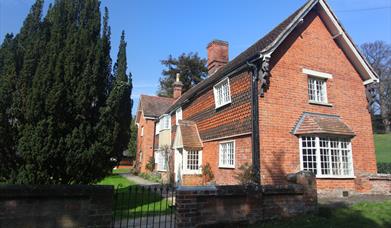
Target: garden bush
<point>383,167</point>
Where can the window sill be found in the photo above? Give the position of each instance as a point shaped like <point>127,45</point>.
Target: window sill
<point>226,167</point>
<point>320,103</point>
<point>192,172</point>
<point>335,177</point>
<point>220,106</point>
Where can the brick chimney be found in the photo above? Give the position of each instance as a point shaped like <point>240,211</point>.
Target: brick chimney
<point>217,55</point>
<point>177,87</point>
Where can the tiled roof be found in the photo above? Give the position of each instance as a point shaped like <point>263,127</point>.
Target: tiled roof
<point>154,106</point>
<point>245,56</point>
<point>314,123</point>
<point>190,137</point>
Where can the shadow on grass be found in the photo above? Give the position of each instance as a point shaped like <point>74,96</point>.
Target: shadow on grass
<point>140,201</point>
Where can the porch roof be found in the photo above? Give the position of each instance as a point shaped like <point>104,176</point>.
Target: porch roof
<point>316,123</point>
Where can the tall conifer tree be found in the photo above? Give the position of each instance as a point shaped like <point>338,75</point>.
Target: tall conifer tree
<point>58,105</point>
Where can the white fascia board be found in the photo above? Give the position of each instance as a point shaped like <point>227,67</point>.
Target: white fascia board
<point>347,41</point>
<point>317,74</point>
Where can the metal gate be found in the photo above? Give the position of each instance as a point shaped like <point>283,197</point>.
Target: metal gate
<point>144,206</point>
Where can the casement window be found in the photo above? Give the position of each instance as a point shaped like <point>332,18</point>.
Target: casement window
<point>317,90</point>
<point>326,156</point>
<point>227,154</point>
<point>317,86</point>
<point>161,161</point>
<point>222,93</point>
<point>192,161</point>
<point>165,122</point>
<point>142,131</point>
<point>178,115</point>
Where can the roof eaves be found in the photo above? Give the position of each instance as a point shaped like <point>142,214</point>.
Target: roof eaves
<point>297,20</point>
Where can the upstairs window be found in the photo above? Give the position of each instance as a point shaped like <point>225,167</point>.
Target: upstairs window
<point>165,122</point>
<point>227,154</point>
<point>142,131</point>
<point>178,115</point>
<point>317,90</point>
<point>222,93</point>
<point>326,156</point>
<point>317,86</point>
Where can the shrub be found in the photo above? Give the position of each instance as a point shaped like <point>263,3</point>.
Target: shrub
<point>207,173</point>
<point>151,164</point>
<point>384,168</point>
<point>246,175</point>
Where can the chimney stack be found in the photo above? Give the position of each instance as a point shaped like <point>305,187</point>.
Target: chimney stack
<point>177,87</point>
<point>217,55</point>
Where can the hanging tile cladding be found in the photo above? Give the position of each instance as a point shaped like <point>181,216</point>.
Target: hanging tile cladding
<point>232,119</point>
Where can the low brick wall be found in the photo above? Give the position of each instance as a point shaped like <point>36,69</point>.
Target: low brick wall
<point>206,206</point>
<point>363,184</point>
<point>56,206</point>
<point>381,184</point>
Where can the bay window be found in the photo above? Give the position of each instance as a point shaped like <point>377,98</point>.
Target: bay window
<point>326,156</point>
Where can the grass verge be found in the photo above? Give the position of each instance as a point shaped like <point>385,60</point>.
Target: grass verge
<point>134,201</point>
<point>363,215</point>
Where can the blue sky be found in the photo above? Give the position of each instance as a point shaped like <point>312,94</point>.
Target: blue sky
<point>154,29</point>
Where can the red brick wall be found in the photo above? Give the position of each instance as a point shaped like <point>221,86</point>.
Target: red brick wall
<point>311,47</point>
<point>145,143</point>
<point>210,154</point>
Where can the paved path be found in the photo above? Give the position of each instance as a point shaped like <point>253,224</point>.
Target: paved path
<point>138,180</point>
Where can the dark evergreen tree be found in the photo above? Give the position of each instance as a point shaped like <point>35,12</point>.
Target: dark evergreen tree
<point>192,70</point>
<point>122,91</point>
<point>61,119</point>
<point>132,147</point>
<point>8,130</point>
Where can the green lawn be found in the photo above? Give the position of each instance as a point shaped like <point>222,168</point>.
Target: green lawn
<point>134,201</point>
<point>383,147</point>
<point>371,215</point>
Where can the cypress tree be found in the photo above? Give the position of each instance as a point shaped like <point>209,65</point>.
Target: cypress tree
<point>121,92</point>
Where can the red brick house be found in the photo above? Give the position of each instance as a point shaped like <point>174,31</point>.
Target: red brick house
<point>295,100</point>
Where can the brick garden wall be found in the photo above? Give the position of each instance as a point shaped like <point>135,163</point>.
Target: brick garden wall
<point>211,206</point>
<point>55,206</point>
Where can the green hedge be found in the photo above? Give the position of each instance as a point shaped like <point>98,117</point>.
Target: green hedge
<point>384,167</point>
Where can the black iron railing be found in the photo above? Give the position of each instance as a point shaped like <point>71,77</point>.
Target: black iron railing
<point>144,206</point>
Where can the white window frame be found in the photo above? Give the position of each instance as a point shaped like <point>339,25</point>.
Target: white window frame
<point>318,94</point>
<point>157,128</point>
<point>142,131</point>
<point>226,165</point>
<point>178,115</point>
<point>216,93</point>
<point>165,122</point>
<point>185,161</point>
<point>318,157</point>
